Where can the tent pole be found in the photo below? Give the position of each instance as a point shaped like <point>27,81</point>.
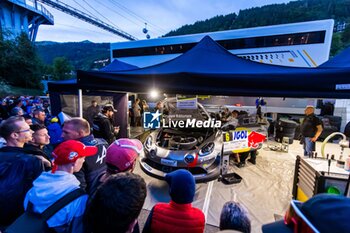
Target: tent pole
<point>80,102</point>
<point>128,135</point>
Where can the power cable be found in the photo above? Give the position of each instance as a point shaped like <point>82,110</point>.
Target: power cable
<point>84,8</point>
<point>140,18</point>
<point>100,14</point>
<point>109,8</point>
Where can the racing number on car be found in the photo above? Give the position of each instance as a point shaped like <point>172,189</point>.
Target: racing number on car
<point>228,137</point>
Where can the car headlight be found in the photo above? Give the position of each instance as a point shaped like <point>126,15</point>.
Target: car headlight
<point>149,142</point>
<point>207,149</point>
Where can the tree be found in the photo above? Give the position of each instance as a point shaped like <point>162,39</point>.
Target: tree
<point>19,63</point>
<point>6,53</point>
<point>337,44</point>
<point>346,36</point>
<point>29,63</point>
<point>61,68</point>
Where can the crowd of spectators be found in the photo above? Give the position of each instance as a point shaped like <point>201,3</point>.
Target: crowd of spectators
<point>42,160</point>
<point>24,106</point>
<point>39,168</point>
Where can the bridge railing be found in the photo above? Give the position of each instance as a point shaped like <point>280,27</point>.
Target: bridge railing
<point>34,5</point>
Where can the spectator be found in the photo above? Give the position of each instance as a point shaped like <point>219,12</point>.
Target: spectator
<point>39,117</point>
<point>28,119</point>
<point>103,127</point>
<point>49,187</point>
<point>326,213</point>
<point>2,142</point>
<point>121,157</point>
<point>55,131</point>
<point>117,204</point>
<point>234,217</point>
<point>92,111</point>
<point>46,108</point>
<point>18,168</point>
<point>132,118</point>
<point>17,111</point>
<point>40,138</point>
<point>144,106</point>
<point>178,216</point>
<point>137,112</point>
<point>79,129</point>
<point>3,110</point>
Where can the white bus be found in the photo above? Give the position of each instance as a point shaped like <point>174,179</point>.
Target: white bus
<point>305,44</point>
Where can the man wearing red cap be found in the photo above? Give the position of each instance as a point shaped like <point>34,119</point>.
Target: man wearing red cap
<point>49,187</point>
<point>121,157</point>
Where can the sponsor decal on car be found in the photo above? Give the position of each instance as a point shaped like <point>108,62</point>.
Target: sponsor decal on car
<point>242,140</point>
<point>168,162</point>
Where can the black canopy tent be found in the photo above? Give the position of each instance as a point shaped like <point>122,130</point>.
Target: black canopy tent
<point>210,69</point>
<point>117,65</point>
<point>70,88</point>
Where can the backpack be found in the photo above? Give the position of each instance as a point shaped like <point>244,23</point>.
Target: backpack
<point>31,222</point>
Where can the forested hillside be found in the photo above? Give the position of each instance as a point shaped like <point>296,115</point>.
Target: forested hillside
<point>295,11</point>
<point>81,55</point>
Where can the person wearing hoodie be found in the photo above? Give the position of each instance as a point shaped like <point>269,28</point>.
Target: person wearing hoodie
<point>78,128</point>
<point>49,187</point>
<point>178,216</point>
<point>55,131</point>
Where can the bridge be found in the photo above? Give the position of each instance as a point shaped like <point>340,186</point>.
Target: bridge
<point>18,16</point>
<point>86,17</point>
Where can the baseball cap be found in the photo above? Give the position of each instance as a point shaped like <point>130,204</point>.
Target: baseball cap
<point>109,107</point>
<point>122,153</point>
<point>326,213</point>
<point>310,106</point>
<point>69,151</point>
<point>54,120</point>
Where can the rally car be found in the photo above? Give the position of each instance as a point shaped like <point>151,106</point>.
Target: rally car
<point>182,142</point>
<point>176,145</point>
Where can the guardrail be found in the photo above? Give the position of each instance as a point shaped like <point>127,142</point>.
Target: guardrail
<point>35,6</point>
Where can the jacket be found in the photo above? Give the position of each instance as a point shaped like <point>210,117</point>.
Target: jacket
<point>103,128</point>
<point>18,170</point>
<point>55,132</point>
<point>35,150</point>
<point>175,218</point>
<point>47,189</point>
<point>93,165</point>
